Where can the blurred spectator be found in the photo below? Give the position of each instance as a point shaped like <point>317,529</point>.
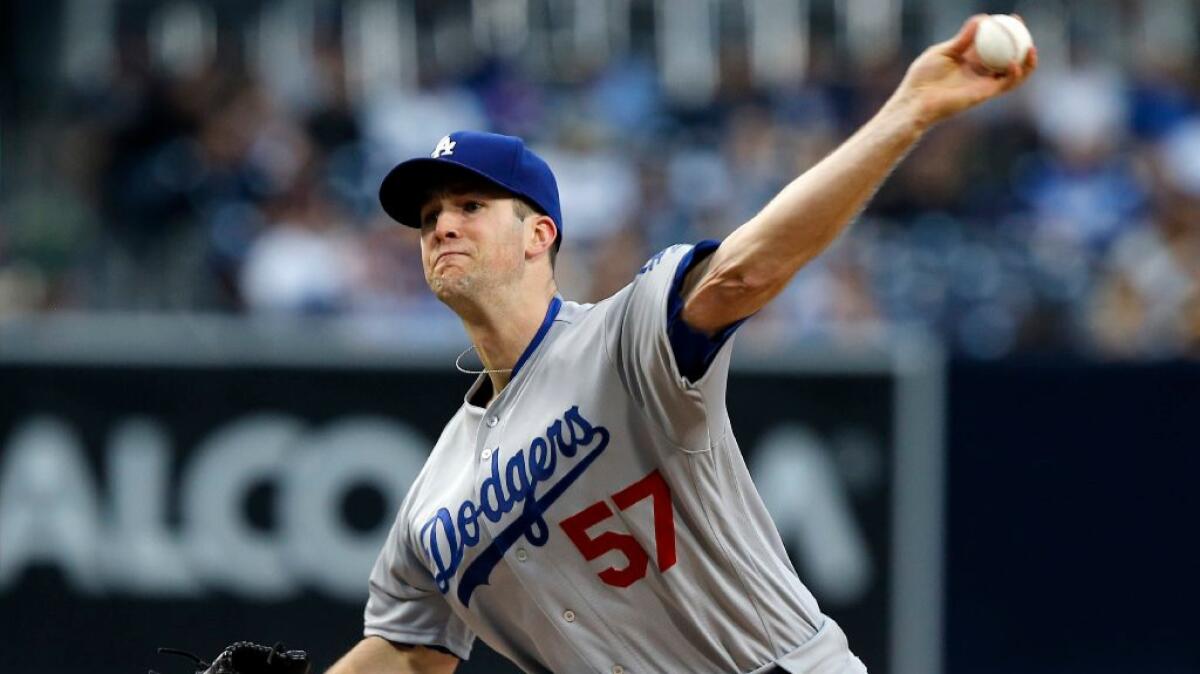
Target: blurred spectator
<point>304,263</point>
<point>1082,189</point>
<point>1145,306</point>
<point>1063,219</point>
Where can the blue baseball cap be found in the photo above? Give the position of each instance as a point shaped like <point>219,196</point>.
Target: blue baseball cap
<point>501,160</point>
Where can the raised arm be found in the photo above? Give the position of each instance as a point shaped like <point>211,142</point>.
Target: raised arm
<point>375,655</point>
<point>757,260</point>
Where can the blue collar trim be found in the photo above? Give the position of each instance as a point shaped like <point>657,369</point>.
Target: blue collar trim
<point>555,305</point>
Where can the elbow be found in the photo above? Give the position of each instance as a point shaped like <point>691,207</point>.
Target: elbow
<point>740,285</point>
<point>727,296</point>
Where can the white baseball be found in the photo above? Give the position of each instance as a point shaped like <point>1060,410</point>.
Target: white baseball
<point>1002,39</point>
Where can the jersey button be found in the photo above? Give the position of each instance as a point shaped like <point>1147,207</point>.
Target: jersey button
<point>492,421</point>
<point>569,616</point>
<point>487,454</point>
<point>522,555</point>
<point>618,669</point>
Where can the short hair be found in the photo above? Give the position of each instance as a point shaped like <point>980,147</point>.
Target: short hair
<point>523,208</point>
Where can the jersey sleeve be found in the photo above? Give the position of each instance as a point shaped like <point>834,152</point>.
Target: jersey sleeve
<point>675,373</point>
<point>405,607</point>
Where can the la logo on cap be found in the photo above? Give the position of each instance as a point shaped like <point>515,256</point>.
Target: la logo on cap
<point>444,147</point>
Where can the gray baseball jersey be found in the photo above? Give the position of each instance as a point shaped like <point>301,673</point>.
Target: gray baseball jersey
<point>597,515</point>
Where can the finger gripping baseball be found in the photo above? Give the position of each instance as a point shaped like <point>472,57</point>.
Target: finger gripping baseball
<point>247,657</point>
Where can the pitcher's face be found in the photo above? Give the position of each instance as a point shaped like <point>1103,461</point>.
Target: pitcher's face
<point>471,241</point>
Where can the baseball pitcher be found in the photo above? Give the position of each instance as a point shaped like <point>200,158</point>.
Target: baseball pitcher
<point>587,509</point>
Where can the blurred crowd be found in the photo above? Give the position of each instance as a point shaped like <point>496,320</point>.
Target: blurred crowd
<point>1066,217</point>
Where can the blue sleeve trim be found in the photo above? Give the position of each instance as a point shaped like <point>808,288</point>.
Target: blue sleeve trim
<point>694,351</point>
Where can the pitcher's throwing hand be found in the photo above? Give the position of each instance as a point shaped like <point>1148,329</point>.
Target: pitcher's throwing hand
<point>586,508</point>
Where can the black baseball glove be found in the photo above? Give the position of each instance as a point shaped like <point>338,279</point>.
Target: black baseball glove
<point>246,657</point>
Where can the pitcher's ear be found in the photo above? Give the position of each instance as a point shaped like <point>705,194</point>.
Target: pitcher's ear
<point>543,235</point>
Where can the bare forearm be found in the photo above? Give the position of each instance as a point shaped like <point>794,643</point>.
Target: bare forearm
<point>374,655</point>
<point>810,213</point>
<point>758,259</point>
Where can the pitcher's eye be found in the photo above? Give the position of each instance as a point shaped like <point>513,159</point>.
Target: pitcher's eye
<point>472,206</point>
<point>430,218</point>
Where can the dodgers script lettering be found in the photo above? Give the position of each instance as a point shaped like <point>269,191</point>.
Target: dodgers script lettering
<point>447,535</point>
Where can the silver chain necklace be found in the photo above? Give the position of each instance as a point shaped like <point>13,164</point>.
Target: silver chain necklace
<point>458,364</point>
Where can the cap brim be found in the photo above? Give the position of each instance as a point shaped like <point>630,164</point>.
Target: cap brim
<point>406,186</point>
